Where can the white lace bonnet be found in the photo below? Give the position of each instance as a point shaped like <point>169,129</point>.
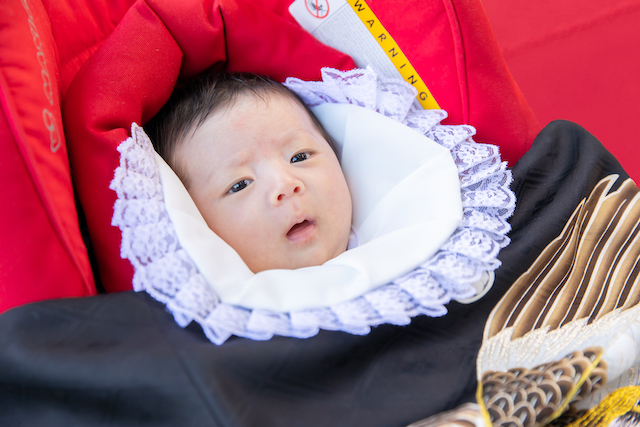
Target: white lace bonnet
<point>430,210</point>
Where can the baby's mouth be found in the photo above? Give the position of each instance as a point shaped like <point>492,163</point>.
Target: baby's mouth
<point>301,230</point>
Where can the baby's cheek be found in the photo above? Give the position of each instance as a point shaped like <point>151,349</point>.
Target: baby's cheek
<point>228,225</point>
<point>347,203</point>
<point>342,213</point>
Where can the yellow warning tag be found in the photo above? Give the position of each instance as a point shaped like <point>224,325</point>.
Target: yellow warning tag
<point>397,57</point>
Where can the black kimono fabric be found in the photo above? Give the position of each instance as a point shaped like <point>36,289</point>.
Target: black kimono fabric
<point>121,360</point>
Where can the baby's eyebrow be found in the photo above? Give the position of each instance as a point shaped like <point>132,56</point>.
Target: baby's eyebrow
<point>224,171</point>
<point>238,159</point>
<point>290,139</point>
<point>294,136</point>
<point>283,142</point>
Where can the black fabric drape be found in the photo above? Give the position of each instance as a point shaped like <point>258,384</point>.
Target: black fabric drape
<point>121,360</point>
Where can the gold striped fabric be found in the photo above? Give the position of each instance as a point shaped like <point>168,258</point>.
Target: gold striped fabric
<point>589,270</point>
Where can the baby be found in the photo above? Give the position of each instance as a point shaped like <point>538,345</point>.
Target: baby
<point>259,167</point>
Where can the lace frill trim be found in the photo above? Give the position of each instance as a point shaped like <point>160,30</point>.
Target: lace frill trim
<point>168,274</point>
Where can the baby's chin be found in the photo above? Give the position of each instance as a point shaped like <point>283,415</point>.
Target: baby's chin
<point>299,260</point>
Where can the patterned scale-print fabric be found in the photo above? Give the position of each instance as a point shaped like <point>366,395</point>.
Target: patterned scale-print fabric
<point>525,397</point>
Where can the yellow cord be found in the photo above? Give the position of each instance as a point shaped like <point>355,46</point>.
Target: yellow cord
<point>575,389</point>
<point>483,407</point>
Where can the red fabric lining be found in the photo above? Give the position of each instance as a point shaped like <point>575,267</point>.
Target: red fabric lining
<point>587,25</point>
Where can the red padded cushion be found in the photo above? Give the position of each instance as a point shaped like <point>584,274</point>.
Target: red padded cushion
<point>43,255</point>
<point>79,27</point>
<point>133,73</point>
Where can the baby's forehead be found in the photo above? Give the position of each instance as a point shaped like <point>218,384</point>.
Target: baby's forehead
<point>253,117</point>
<point>268,98</point>
<point>267,121</point>
<point>246,106</point>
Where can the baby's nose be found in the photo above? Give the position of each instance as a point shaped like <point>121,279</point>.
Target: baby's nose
<point>286,186</point>
<point>285,193</point>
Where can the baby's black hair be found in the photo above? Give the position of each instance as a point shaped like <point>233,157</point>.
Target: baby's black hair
<point>191,105</point>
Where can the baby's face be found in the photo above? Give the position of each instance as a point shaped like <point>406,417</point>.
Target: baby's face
<point>268,184</point>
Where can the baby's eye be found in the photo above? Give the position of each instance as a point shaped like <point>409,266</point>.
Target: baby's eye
<point>300,157</point>
<point>239,186</point>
